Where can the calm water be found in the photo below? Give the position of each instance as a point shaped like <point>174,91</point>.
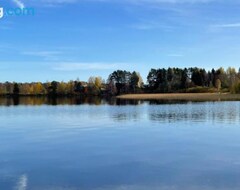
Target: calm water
<point>109,145</point>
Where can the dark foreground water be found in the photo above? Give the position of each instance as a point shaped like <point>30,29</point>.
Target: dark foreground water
<point>102,145</point>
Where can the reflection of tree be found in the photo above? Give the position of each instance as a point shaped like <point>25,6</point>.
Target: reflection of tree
<point>125,115</point>
<point>158,111</point>
<point>196,112</point>
<point>16,100</point>
<point>122,102</point>
<point>120,116</point>
<point>76,100</point>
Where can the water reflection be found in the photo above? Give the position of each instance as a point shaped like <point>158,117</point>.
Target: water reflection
<point>126,110</point>
<point>92,100</point>
<point>208,111</point>
<point>22,182</point>
<point>97,146</point>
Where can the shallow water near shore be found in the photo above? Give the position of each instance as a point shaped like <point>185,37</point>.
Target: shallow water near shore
<point>99,144</point>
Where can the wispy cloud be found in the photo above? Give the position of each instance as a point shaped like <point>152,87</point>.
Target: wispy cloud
<point>86,66</point>
<point>52,2</point>
<point>175,55</point>
<point>231,25</point>
<point>47,55</point>
<point>19,3</point>
<point>60,1</point>
<point>168,1</point>
<point>150,25</point>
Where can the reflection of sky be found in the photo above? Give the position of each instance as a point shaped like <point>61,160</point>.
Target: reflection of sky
<point>85,116</point>
<point>169,147</point>
<point>22,182</point>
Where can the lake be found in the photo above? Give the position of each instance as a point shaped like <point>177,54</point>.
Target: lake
<point>98,144</point>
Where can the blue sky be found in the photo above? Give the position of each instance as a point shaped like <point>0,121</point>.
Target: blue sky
<point>67,39</point>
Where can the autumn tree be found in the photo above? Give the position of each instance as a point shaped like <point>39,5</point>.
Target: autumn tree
<point>38,89</point>
<point>98,82</point>
<point>218,84</point>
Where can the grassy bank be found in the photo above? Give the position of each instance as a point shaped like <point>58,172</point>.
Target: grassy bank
<point>182,96</point>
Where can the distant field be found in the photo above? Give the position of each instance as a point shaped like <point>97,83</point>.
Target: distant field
<point>183,96</point>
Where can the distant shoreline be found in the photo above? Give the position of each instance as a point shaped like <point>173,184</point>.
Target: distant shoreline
<point>181,96</point>
<point>153,96</point>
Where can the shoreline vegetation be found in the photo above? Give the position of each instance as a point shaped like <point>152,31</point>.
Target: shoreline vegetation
<point>161,84</point>
<point>182,96</point>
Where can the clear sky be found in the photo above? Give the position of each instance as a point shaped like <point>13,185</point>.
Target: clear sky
<point>66,39</point>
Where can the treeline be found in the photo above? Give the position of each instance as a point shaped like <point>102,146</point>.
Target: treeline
<point>173,80</point>
<point>193,79</point>
<point>93,87</point>
<point>121,82</point>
